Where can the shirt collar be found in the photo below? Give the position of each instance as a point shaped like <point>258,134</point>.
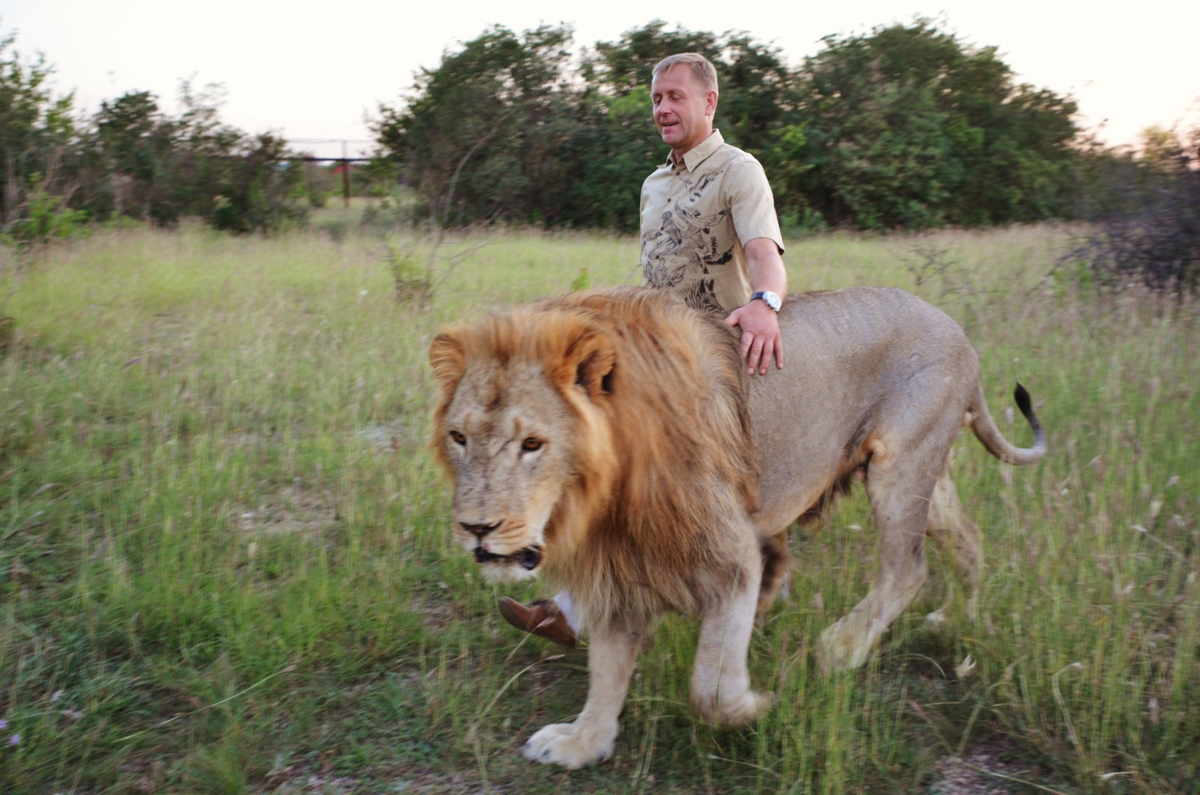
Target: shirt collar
<point>699,153</point>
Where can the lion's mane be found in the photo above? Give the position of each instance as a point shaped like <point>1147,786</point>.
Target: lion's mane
<point>662,445</point>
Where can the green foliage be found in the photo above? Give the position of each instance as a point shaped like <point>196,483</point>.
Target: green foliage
<point>909,127</point>
<point>412,280</point>
<point>45,218</point>
<point>164,168</point>
<point>796,222</point>
<point>132,160</point>
<point>478,136</point>
<point>625,65</point>
<point>583,281</point>
<point>904,127</point>
<point>37,133</point>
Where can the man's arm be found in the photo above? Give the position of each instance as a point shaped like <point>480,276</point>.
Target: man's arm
<point>760,323</point>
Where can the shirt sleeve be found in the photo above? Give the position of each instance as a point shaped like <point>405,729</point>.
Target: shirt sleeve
<point>751,203</point>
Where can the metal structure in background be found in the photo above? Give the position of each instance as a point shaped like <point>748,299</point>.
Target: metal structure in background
<point>345,160</point>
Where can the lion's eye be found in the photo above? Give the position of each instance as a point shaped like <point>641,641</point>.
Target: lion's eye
<point>531,444</point>
<point>458,437</point>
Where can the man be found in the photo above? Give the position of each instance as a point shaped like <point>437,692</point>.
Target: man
<point>710,235</point>
<point>709,230</point>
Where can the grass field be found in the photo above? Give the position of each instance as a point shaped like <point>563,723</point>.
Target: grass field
<point>225,561</point>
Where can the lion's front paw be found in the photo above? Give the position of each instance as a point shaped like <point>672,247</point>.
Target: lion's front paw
<point>570,745</point>
<point>753,705</point>
<point>736,710</point>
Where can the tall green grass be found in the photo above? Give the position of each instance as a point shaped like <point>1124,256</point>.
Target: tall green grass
<point>225,561</point>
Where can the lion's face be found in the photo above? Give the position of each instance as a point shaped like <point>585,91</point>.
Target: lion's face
<point>504,440</point>
<point>521,429</point>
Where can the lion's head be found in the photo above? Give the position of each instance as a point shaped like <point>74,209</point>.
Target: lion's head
<point>590,436</point>
<point>521,427</point>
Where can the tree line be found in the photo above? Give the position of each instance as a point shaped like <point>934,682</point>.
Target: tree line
<point>903,127</point>
<point>131,158</point>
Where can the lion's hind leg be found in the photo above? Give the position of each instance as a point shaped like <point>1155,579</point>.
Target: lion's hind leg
<point>952,530</point>
<point>900,487</point>
<point>777,572</point>
<point>720,680</point>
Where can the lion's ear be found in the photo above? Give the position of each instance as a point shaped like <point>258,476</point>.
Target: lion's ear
<point>448,359</point>
<point>589,364</point>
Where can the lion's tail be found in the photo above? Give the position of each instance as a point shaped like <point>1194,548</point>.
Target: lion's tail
<point>775,566</point>
<point>986,431</point>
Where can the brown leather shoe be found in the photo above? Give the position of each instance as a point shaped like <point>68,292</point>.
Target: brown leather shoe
<point>540,617</point>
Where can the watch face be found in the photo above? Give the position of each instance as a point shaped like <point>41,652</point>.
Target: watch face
<point>769,298</point>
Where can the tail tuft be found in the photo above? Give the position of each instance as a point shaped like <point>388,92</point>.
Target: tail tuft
<point>1021,395</point>
<point>1025,404</point>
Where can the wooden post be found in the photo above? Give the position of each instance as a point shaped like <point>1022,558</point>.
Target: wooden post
<point>345,176</point>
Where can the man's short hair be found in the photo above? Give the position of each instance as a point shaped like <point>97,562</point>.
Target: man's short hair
<point>703,72</point>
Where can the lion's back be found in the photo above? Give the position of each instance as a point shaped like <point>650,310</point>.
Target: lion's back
<point>853,356</point>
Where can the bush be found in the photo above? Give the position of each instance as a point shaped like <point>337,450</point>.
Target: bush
<point>412,281</point>
<point>1150,234</point>
<point>45,217</point>
<point>130,159</point>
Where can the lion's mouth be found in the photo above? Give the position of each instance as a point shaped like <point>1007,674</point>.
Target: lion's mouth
<point>527,558</point>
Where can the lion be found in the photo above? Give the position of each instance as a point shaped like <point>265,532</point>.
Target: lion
<point>612,442</point>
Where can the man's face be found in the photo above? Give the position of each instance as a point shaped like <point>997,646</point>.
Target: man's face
<point>683,110</point>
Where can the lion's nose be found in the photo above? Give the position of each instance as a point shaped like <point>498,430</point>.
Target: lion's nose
<point>479,530</point>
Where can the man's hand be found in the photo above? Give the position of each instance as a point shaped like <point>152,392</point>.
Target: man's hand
<point>760,336</point>
<point>759,322</point>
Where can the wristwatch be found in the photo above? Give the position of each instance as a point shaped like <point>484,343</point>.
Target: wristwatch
<point>769,298</point>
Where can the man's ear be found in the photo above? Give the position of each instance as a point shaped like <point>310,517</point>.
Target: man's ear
<point>448,360</point>
<point>588,364</point>
<point>710,103</point>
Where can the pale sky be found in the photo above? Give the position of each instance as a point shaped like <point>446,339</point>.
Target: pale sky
<point>312,70</point>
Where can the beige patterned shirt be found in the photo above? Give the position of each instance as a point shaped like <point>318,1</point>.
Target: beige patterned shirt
<point>695,218</point>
